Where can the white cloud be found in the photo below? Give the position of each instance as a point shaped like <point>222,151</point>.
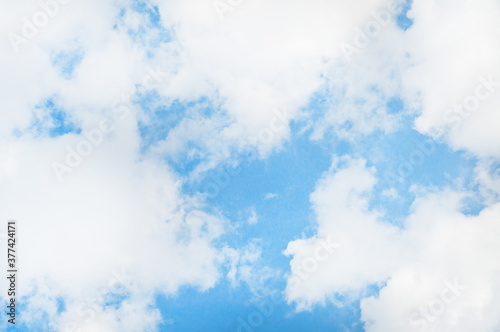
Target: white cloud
<point>254,218</point>
<point>452,44</point>
<point>246,70</point>
<point>113,213</point>
<point>368,247</point>
<point>121,210</point>
<point>392,193</point>
<point>270,196</point>
<point>259,58</point>
<point>448,246</point>
<point>413,265</point>
<point>246,267</point>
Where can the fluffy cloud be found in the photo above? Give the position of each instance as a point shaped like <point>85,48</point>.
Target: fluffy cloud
<point>119,225</point>
<point>113,216</point>
<point>367,248</point>
<point>121,212</point>
<point>438,272</point>
<point>450,282</point>
<point>454,49</point>
<point>262,57</point>
<point>257,60</point>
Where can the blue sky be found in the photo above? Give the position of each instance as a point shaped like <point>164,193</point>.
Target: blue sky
<point>135,154</point>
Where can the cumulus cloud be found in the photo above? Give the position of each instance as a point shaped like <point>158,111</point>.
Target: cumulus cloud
<point>367,250</point>
<point>261,58</point>
<point>439,270</point>
<point>454,77</point>
<point>114,215</point>
<point>120,210</point>
<point>414,266</point>
<point>119,229</point>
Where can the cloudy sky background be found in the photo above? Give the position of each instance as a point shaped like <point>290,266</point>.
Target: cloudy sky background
<point>177,165</point>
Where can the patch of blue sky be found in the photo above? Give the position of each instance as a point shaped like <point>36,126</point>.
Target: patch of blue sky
<point>224,308</point>
<point>66,61</point>
<point>41,322</point>
<point>475,203</point>
<point>403,21</point>
<point>290,175</point>
<point>402,158</point>
<point>159,120</point>
<point>328,97</point>
<point>395,105</point>
<point>149,10</point>
<point>472,205</point>
<point>162,116</point>
<point>17,133</point>
<point>51,120</point>
<point>185,164</point>
<point>61,305</point>
<point>406,158</point>
<point>150,34</point>
<point>114,300</point>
